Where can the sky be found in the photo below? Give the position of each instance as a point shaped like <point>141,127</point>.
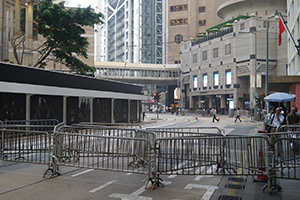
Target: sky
<point>83,3</point>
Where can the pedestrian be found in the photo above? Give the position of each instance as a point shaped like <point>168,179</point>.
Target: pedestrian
<point>293,118</point>
<point>277,119</point>
<point>238,114</point>
<point>214,112</point>
<point>268,120</point>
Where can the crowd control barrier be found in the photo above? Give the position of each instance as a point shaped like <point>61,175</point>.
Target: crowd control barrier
<point>155,152</point>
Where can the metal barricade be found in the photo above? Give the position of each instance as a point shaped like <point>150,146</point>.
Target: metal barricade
<point>25,146</point>
<point>101,152</point>
<point>214,130</point>
<point>231,155</point>
<point>99,147</point>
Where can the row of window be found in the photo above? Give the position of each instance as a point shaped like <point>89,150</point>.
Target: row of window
<point>216,80</point>
<point>184,7</point>
<point>137,73</point>
<point>215,53</point>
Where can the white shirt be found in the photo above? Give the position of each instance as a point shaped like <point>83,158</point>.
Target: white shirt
<point>275,122</point>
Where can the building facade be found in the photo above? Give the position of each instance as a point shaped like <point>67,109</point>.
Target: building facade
<point>185,20</point>
<point>227,69</point>
<point>293,19</point>
<point>133,31</point>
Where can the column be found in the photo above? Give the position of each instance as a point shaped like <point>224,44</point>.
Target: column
<point>65,109</point>
<point>29,32</point>
<point>112,111</point>
<point>2,28</point>
<point>91,110</point>
<point>17,17</point>
<point>210,101</point>
<point>223,104</point>
<point>28,106</point>
<point>11,25</point>
<point>128,120</point>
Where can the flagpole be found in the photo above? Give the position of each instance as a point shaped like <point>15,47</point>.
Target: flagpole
<point>297,47</point>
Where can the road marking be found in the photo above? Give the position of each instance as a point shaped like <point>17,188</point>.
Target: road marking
<point>178,120</point>
<point>172,176</point>
<point>135,195</point>
<point>208,193</point>
<point>128,174</point>
<point>170,120</point>
<point>195,120</point>
<point>185,121</point>
<point>86,171</point>
<point>102,186</point>
<point>198,178</point>
<point>223,122</point>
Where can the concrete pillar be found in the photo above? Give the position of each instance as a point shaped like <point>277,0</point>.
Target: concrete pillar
<point>91,110</point>
<point>28,106</point>
<point>29,32</point>
<point>112,111</point>
<point>11,25</point>
<point>65,109</point>
<point>17,17</point>
<point>210,101</point>
<point>128,120</point>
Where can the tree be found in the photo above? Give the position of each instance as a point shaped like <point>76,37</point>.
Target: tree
<point>62,30</point>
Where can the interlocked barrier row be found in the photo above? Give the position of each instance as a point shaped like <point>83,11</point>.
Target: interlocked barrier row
<point>155,152</point>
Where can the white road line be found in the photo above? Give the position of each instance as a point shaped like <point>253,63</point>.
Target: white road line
<point>128,174</point>
<point>172,176</point>
<point>102,186</point>
<point>208,193</point>
<point>86,171</point>
<point>198,178</point>
<point>135,195</point>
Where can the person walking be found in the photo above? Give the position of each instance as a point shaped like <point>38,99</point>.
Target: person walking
<point>238,114</point>
<point>214,112</point>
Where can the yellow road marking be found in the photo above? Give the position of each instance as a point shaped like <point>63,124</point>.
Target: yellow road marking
<point>224,122</point>
<point>205,121</point>
<point>185,121</point>
<point>178,120</point>
<point>231,192</point>
<point>243,123</point>
<point>170,120</point>
<point>195,120</point>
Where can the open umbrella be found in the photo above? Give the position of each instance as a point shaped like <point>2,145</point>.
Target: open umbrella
<point>280,97</point>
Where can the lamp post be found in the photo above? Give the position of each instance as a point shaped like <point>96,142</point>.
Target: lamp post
<point>267,63</point>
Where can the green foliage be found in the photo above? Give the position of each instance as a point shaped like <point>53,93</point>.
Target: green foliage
<point>63,29</point>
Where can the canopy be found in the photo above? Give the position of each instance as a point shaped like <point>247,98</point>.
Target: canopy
<point>280,97</point>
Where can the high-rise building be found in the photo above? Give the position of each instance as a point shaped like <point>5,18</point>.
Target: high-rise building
<point>133,31</point>
<point>185,20</point>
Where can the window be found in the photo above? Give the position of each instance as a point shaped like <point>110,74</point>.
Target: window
<point>242,26</point>
<point>228,77</point>
<point>216,78</point>
<point>202,22</point>
<point>195,82</point>
<point>204,55</point>
<point>227,49</point>
<point>175,22</point>
<point>194,58</point>
<point>202,9</point>
<point>215,53</point>
<point>178,8</point>
<point>205,80</point>
<point>178,38</point>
